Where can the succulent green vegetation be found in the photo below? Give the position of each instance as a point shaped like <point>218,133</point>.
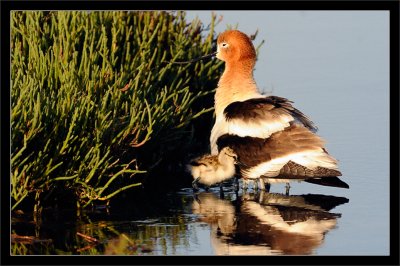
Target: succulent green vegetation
<point>95,105</point>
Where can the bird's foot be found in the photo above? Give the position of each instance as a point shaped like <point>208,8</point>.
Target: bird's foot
<point>195,185</point>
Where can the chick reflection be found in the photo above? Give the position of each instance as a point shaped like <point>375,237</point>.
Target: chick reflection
<point>219,213</point>
<point>267,223</point>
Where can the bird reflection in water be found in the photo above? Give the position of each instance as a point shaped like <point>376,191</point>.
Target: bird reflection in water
<point>267,223</point>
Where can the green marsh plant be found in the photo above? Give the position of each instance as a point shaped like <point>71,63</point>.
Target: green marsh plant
<point>92,90</point>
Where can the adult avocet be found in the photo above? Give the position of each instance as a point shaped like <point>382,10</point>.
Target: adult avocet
<point>274,141</point>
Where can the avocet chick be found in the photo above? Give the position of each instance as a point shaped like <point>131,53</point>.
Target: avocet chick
<point>213,169</point>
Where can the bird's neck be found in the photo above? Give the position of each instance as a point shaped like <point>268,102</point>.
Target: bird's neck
<point>236,84</point>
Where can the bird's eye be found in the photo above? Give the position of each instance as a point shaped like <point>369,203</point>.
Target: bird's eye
<point>224,44</point>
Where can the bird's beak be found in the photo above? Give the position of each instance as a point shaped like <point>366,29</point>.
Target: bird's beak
<point>194,184</point>
<point>195,60</point>
<point>205,56</point>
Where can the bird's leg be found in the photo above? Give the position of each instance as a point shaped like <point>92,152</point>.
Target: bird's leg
<point>221,191</point>
<point>262,183</point>
<point>255,182</point>
<point>261,196</point>
<point>267,187</point>
<point>287,189</point>
<point>194,184</point>
<point>236,184</point>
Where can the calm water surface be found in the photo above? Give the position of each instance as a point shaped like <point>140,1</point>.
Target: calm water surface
<point>202,223</point>
<point>335,67</point>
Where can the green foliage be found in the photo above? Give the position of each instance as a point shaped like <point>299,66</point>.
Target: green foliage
<point>91,90</point>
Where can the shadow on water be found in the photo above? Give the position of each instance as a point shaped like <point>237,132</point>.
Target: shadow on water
<point>183,223</point>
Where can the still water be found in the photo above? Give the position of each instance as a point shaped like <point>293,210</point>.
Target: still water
<point>334,65</point>
<point>203,223</point>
